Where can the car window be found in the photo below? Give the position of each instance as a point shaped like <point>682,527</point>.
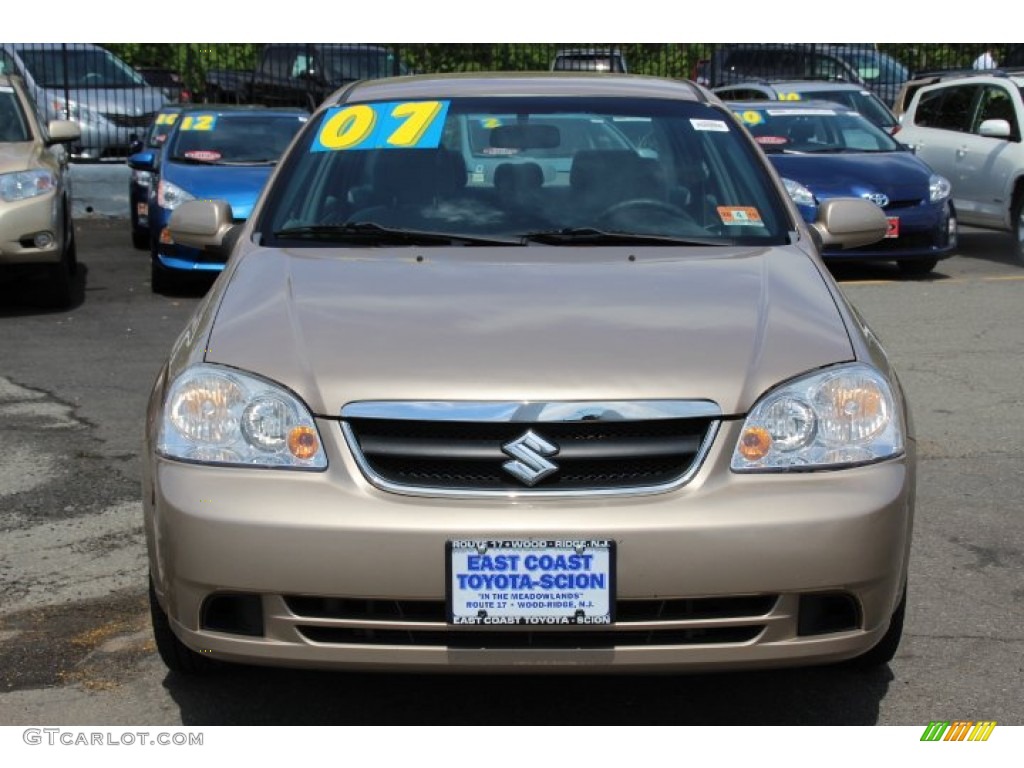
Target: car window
<point>71,67</point>
<point>814,130</point>
<point>946,108</point>
<point>232,139</point>
<point>864,102</point>
<point>517,165</point>
<point>742,94</point>
<point>996,103</point>
<point>13,126</point>
<point>356,63</point>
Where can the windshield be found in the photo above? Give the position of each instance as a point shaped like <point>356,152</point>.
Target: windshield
<point>78,68</point>
<point>225,139</point>
<point>864,102</point>
<point>874,67</point>
<point>814,131</point>
<point>12,122</point>
<point>515,168</point>
<point>161,128</point>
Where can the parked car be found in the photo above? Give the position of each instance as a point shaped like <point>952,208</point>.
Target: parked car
<point>169,81</point>
<point>857,64</point>
<point>855,97</point>
<point>589,60</point>
<point>89,85</point>
<point>37,234</point>
<point>139,181</point>
<point>629,423</point>
<point>825,151</point>
<point>223,154</point>
<point>304,74</point>
<point>969,130</point>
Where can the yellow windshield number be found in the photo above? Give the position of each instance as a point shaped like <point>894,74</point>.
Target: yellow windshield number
<point>387,125</point>
<point>789,96</point>
<point>418,115</point>
<point>198,122</point>
<point>348,128</point>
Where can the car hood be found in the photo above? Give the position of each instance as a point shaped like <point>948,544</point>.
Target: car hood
<point>899,175</point>
<point>18,156</point>
<point>540,323</point>
<point>239,185</point>
<point>135,102</point>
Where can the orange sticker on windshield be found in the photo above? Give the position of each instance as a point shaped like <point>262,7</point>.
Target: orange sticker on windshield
<point>740,215</point>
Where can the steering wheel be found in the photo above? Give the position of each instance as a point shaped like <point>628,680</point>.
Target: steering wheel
<point>642,204</point>
<point>92,77</point>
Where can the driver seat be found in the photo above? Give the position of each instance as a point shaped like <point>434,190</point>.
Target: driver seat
<point>601,178</point>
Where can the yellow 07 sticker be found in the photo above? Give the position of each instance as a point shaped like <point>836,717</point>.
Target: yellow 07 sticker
<point>383,125</point>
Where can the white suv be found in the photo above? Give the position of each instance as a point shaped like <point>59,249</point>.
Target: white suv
<point>969,130</point>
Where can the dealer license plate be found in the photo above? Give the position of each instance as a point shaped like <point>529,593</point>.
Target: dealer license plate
<point>529,581</point>
<point>894,227</point>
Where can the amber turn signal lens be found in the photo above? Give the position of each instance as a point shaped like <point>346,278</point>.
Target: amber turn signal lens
<point>755,442</point>
<point>303,442</point>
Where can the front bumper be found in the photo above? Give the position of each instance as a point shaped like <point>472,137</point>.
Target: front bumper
<point>21,220</point>
<point>295,539</point>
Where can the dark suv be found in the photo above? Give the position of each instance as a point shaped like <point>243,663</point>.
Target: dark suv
<point>865,66</point>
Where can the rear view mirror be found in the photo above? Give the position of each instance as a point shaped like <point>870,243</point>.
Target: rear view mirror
<point>202,224</point>
<point>525,136</point>
<point>63,131</point>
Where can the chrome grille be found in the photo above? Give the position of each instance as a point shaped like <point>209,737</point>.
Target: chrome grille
<point>130,121</point>
<point>470,448</point>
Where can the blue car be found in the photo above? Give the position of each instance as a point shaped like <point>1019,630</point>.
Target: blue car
<point>824,150</point>
<point>138,186</point>
<point>210,154</point>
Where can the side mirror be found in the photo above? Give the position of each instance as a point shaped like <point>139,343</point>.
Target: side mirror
<point>142,161</point>
<point>63,131</point>
<point>995,129</point>
<point>203,224</point>
<point>848,222</point>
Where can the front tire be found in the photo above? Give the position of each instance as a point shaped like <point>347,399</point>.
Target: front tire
<point>885,650</point>
<point>1017,222</point>
<point>60,277</point>
<point>176,656</point>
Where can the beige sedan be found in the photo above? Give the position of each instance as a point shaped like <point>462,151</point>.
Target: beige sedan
<point>621,420</point>
<point>36,230</point>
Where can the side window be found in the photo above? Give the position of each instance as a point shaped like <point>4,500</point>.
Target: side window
<point>947,108</point>
<point>278,62</point>
<point>996,104</point>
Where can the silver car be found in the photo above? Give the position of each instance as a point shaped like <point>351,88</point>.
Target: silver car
<point>89,85</point>
<point>627,423</point>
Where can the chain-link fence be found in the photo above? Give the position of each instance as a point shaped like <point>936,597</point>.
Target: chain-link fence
<point>114,91</point>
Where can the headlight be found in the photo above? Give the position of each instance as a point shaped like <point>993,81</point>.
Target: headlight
<point>843,416</point>
<point>25,184</point>
<point>216,415</point>
<point>75,111</point>
<point>800,194</point>
<point>170,196</point>
<point>938,188</point>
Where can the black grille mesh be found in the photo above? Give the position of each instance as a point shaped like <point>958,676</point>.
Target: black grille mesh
<point>599,455</point>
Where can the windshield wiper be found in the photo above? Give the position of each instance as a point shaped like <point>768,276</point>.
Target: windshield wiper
<point>365,231</point>
<point>592,236</point>
<point>257,161</point>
